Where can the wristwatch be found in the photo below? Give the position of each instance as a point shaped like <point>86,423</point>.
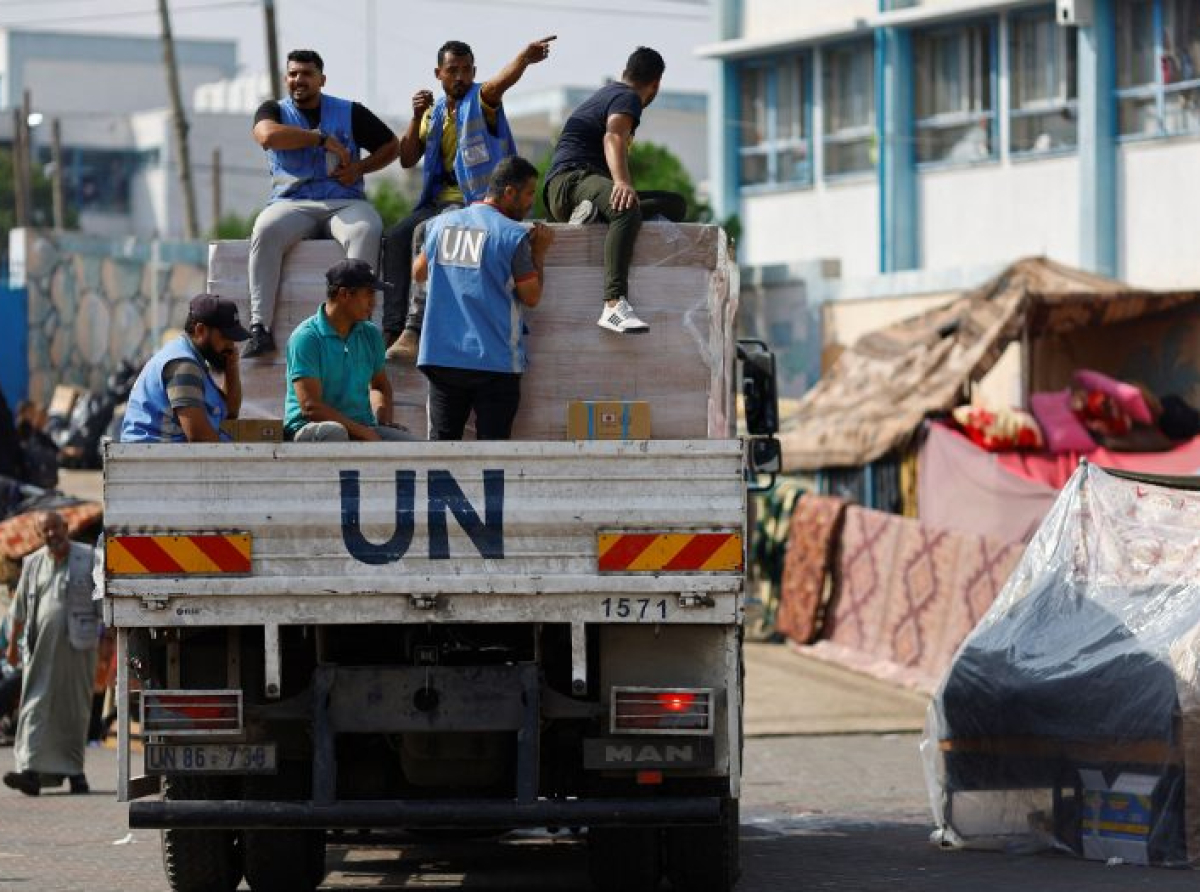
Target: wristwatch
<point>321,137</point>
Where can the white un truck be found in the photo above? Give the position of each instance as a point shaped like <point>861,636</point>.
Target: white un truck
<point>539,633</point>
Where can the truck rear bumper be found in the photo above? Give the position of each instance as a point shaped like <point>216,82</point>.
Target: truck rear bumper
<point>242,814</point>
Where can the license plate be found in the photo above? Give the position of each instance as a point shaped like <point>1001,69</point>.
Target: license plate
<point>210,758</point>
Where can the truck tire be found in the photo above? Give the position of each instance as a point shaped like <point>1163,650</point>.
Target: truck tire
<point>705,859</point>
<point>625,859</point>
<point>200,860</point>
<point>284,860</point>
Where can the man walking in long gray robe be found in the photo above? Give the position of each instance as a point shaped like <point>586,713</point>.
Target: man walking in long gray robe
<point>55,623</point>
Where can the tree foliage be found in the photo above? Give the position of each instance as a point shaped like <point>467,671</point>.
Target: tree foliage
<point>43,201</point>
<point>655,167</point>
<point>392,204</point>
<point>232,227</point>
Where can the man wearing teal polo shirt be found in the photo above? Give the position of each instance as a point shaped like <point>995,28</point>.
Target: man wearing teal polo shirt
<point>339,390</point>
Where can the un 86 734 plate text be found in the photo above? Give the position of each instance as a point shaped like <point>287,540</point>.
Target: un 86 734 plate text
<point>210,758</point>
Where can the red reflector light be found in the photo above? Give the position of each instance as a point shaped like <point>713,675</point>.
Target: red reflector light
<point>191,712</point>
<point>649,778</point>
<point>661,711</point>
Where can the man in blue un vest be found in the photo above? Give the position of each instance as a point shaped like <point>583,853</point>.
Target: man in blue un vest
<point>313,143</point>
<point>175,399</point>
<point>461,138</point>
<point>483,268</point>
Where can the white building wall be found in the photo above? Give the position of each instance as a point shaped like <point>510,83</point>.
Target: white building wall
<point>152,189</point>
<point>999,213</point>
<point>767,18</point>
<point>1157,202</point>
<point>59,86</point>
<point>835,221</point>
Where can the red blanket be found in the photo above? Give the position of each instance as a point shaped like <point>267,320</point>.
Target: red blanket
<point>1056,470</point>
<point>811,545</point>
<point>19,535</point>
<point>907,596</point>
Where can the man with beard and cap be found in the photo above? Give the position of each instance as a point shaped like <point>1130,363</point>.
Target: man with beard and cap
<point>461,137</point>
<point>175,399</point>
<point>54,636</point>
<point>314,144</point>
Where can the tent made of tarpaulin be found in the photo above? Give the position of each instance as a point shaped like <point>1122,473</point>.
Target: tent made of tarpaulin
<point>879,390</point>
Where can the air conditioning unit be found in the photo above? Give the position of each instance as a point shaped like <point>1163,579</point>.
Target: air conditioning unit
<point>1077,13</point>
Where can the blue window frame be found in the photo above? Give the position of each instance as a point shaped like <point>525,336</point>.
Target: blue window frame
<point>776,122</point>
<point>848,107</point>
<point>1158,67</point>
<point>1043,79</point>
<point>955,84</point>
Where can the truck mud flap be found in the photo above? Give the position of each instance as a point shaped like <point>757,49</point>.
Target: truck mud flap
<point>242,814</point>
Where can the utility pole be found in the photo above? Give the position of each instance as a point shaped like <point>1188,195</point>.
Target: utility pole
<point>190,226</point>
<point>216,189</point>
<point>21,209</point>
<point>272,48</point>
<point>26,177</point>
<point>56,181</point>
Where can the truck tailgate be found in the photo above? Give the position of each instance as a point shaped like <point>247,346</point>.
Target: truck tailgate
<point>397,532</point>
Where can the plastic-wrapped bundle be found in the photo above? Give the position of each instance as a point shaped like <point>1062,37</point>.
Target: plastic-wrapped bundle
<point>1071,715</point>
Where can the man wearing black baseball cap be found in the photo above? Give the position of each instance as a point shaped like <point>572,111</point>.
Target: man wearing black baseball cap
<point>338,388</point>
<point>175,399</point>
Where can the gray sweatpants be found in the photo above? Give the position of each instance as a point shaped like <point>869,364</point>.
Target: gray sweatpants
<point>353,223</point>
<point>333,432</point>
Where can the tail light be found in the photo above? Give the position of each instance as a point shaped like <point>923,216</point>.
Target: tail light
<point>662,710</point>
<point>191,713</point>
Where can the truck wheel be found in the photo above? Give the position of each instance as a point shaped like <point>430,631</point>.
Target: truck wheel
<point>705,859</point>
<point>200,860</point>
<point>625,859</point>
<point>284,860</point>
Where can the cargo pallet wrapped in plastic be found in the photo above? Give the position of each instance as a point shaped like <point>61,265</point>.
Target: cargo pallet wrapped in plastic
<point>1070,717</point>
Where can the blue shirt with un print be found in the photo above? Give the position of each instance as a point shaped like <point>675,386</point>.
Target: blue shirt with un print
<point>473,318</point>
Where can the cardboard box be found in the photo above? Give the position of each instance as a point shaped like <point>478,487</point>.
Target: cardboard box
<point>254,430</point>
<point>608,420</point>
<point>1116,820</point>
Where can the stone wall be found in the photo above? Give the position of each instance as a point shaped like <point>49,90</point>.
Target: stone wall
<point>93,302</point>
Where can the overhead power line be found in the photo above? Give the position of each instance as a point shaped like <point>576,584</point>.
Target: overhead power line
<point>121,14</point>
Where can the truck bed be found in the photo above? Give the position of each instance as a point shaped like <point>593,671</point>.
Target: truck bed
<point>428,532</point>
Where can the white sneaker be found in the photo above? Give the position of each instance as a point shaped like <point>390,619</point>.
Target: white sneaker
<point>622,319</point>
<point>585,212</point>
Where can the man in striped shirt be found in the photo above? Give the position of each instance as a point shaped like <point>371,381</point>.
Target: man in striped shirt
<point>175,399</point>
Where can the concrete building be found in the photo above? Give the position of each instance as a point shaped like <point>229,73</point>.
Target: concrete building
<point>110,95</point>
<point>876,150</point>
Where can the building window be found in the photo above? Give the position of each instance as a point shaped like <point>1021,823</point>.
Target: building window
<point>955,109</point>
<point>101,180</point>
<point>1158,66</point>
<point>1042,63</point>
<point>849,108</point>
<point>775,111</point>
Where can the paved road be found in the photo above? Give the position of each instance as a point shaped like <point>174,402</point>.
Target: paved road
<point>843,812</point>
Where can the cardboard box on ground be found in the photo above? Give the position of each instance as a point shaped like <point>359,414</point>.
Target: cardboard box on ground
<point>680,369</point>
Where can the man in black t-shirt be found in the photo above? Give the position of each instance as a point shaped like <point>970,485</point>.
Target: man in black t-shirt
<point>313,143</point>
<point>589,179</point>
